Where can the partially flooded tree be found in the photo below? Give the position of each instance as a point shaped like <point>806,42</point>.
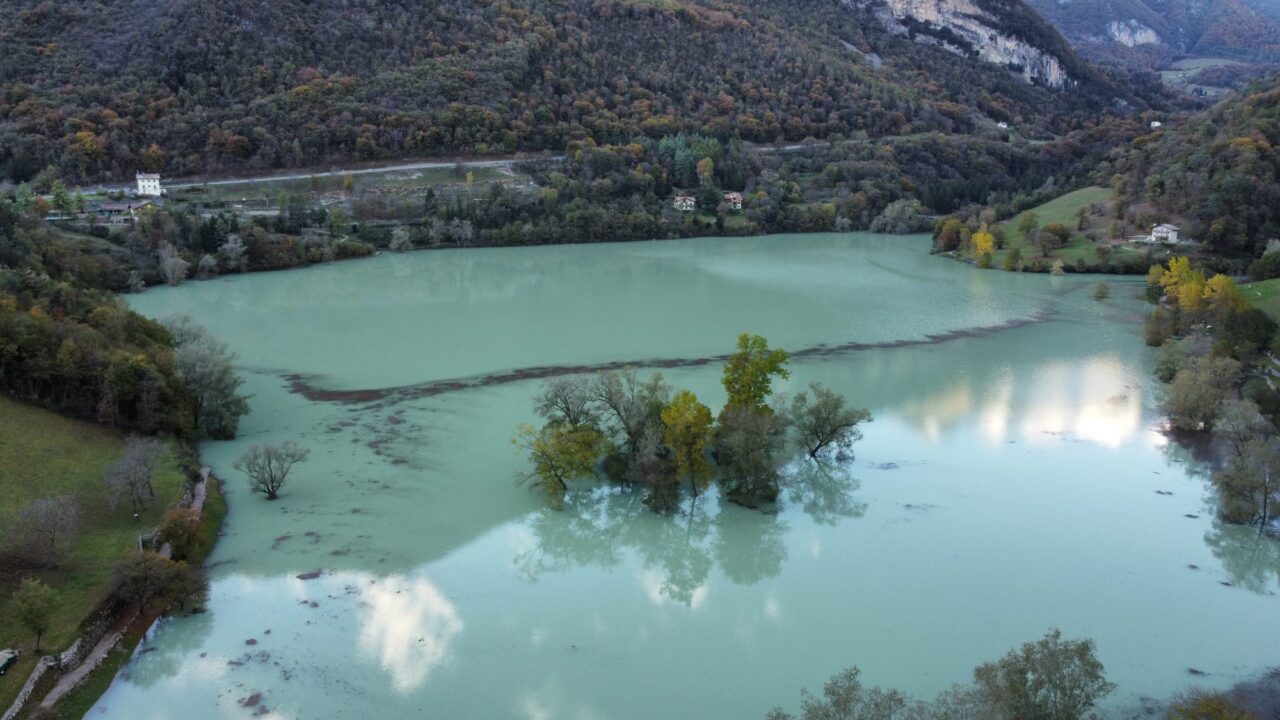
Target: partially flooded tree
<point>560,453</point>
<point>748,445</point>
<point>566,401</point>
<point>844,697</point>
<point>44,532</point>
<point>129,479</point>
<point>749,372</point>
<point>825,422</point>
<point>1198,390</point>
<point>268,466</point>
<point>1049,679</point>
<point>1250,483</point>
<point>687,430</point>
<point>205,366</point>
<point>629,406</point>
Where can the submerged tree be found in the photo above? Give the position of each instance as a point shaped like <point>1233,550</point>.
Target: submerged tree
<point>1198,390</point>
<point>749,372</point>
<point>844,697</point>
<point>748,445</point>
<point>1250,483</point>
<point>205,366</point>
<point>560,453</point>
<point>824,422</point>
<point>268,466</point>
<point>629,406</point>
<point>1049,679</point>
<point>687,424</point>
<point>567,401</point>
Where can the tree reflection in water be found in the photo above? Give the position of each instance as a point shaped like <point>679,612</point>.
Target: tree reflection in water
<point>601,526</point>
<point>825,492</point>
<point>1250,558</point>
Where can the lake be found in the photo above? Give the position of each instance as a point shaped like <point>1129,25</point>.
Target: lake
<point>1014,479</point>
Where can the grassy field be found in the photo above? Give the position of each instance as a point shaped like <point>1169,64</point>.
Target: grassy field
<point>1265,296</point>
<point>43,454</point>
<point>79,701</point>
<point>1062,210</point>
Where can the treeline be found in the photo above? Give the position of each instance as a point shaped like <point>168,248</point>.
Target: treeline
<point>1216,174</point>
<point>1048,679</point>
<point>642,433</point>
<point>93,92</point>
<point>623,192</point>
<point>68,343</point>
<point>1215,358</point>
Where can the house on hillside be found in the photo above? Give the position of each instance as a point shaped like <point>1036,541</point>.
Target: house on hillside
<point>684,203</point>
<point>1162,234</point>
<point>123,212</point>
<point>1165,234</point>
<point>149,185</point>
<point>733,200</point>
<point>1156,124</point>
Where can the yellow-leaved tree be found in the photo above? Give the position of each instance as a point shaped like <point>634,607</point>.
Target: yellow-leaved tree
<point>560,452</point>
<point>1222,296</point>
<point>687,430</point>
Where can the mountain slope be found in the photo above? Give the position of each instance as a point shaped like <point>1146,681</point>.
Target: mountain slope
<point>1217,174</point>
<point>100,89</point>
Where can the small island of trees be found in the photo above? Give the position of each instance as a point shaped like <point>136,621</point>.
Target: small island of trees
<point>641,432</point>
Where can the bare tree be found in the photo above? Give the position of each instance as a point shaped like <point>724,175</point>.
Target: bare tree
<point>400,240</point>
<point>44,532</point>
<point>233,254</point>
<point>268,466</point>
<point>172,267</point>
<point>630,406</point>
<point>130,477</point>
<point>566,401</point>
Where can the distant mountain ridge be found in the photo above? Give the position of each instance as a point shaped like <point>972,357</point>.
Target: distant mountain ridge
<point>1152,32</point>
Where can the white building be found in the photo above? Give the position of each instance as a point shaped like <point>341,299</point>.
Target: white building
<point>149,185</point>
<point>1156,124</point>
<point>684,203</point>
<point>1002,125</point>
<point>1165,233</point>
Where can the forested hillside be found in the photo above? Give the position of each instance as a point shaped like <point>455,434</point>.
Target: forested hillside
<point>1218,174</point>
<point>101,89</point>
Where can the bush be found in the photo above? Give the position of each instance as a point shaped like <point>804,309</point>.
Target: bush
<point>1208,706</point>
<point>1266,267</point>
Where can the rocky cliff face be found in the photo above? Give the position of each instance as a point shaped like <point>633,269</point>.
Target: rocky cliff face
<point>1132,33</point>
<point>966,28</point>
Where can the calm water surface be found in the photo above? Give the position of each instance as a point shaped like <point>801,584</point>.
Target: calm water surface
<point>1013,480</point>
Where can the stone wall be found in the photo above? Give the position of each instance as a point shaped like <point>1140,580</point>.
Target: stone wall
<point>43,665</point>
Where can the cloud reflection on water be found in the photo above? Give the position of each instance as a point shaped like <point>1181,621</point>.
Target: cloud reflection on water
<point>408,626</point>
